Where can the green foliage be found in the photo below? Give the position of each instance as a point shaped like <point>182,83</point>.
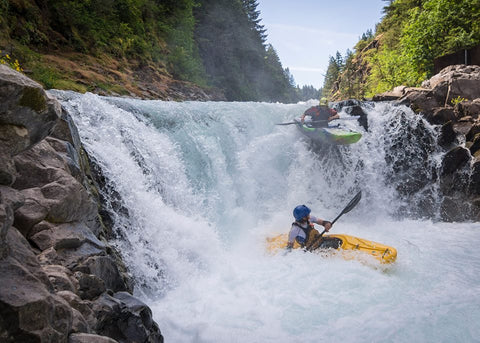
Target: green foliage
<point>308,92</point>
<point>440,27</point>
<point>12,63</point>
<point>335,67</point>
<point>408,39</point>
<point>230,42</point>
<point>457,100</point>
<point>218,43</point>
<point>47,76</point>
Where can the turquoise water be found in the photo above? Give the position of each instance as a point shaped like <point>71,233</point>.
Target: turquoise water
<point>204,184</point>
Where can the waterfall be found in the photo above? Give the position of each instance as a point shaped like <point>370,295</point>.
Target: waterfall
<point>193,189</point>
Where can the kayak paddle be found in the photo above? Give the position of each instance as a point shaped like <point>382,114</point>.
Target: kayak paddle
<point>321,120</point>
<point>347,209</point>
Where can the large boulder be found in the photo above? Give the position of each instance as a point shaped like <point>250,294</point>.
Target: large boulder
<point>29,310</point>
<point>460,81</point>
<point>27,112</point>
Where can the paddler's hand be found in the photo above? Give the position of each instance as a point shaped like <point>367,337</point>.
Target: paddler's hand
<point>327,225</point>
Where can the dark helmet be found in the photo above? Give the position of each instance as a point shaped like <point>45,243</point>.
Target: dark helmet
<point>300,212</point>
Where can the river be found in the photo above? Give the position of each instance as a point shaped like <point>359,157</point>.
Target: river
<point>195,188</point>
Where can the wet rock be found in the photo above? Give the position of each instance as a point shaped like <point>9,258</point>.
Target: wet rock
<point>106,269</point>
<point>472,132</point>
<point>455,159</point>
<point>454,209</point>
<point>89,338</point>
<point>475,144</point>
<point>125,319</point>
<point>475,179</point>
<point>447,135</point>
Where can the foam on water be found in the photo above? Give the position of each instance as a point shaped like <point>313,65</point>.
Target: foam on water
<point>195,188</point>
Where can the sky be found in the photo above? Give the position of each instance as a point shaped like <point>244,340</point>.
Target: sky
<point>305,33</point>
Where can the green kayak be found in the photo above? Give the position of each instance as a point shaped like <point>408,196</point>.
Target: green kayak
<point>329,135</point>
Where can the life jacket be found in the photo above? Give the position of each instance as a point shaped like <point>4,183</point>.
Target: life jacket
<point>318,112</point>
<point>306,230</point>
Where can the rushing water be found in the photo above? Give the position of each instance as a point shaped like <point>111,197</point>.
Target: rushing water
<point>195,189</point>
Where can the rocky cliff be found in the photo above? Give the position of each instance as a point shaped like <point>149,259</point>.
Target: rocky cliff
<point>60,279</point>
<point>451,99</point>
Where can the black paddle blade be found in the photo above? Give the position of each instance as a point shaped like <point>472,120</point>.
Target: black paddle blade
<point>353,203</point>
<point>350,205</point>
<point>290,123</point>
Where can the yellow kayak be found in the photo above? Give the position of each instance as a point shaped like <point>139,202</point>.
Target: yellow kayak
<point>346,243</point>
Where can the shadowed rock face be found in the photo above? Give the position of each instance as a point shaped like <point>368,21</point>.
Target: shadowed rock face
<point>60,280</point>
<point>452,99</point>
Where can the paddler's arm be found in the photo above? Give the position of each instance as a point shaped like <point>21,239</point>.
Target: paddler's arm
<point>333,115</point>
<point>325,223</point>
<point>302,118</point>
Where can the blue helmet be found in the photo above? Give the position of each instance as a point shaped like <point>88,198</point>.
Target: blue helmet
<point>300,212</point>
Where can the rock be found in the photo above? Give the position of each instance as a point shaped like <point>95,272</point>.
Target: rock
<point>89,338</point>
<point>30,312</point>
<point>125,319</point>
<point>475,144</point>
<point>84,307</point>
<point>79,324</point>
<point>420,100</point>
<point>470,108</point>
<point>31,212</point>
<point>440,115</point>
<point>106,269</point>
<point>27,113</point>
<point>447,135</point>
<point>395,94</point>
<point>48,196</point>
<point>454,209</point>
<point>90,286</point>
<point>456,74</point>
<point>66,236</point>
<point>10,200</point>
<point>475,179</point>
<point>61,278</point>
<point>454,160</point>
<point>8,173</point>
<point>472,132</point>
<point>69,257</point>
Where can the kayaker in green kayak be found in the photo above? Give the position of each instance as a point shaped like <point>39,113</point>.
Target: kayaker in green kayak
<point>303,231</point>
<point>320,114</point>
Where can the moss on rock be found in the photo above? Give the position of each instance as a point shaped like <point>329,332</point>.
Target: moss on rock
<point>33,98</point>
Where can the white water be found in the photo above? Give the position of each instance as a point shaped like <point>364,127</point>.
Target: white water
<point>206,183</point>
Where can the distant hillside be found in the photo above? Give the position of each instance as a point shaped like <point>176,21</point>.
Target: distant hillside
<point>403,47</point>
<point>182,49</point>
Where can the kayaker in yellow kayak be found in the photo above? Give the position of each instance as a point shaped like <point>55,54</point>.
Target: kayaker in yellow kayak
<point>320,114</point>
<point>303,230</point>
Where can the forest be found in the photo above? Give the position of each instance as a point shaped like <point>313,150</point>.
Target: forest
<point>211,43</point>
<point>401,51</point>
<point>222,44</point>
